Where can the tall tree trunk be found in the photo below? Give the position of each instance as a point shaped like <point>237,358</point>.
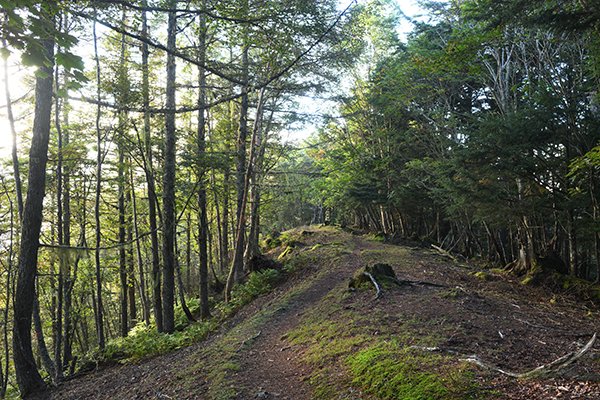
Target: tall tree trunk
<point>188,253</point>
<point>152,197</point>
<point>98,229</point>
<point>238,257</point>
<point>60,218</point>
<point>239,240</point>
<point>169,181</point>
<point>252,247</point>
<point>8,293</point>
<point>140,261</point>
<point>122,256</point>
<point>130,262</point>
<point>201,167</point>
<point>28,377</point>
<point>122,183</point>
<point>225,223</point>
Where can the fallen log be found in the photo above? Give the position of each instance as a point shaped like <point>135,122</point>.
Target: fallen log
<point>543,371</point>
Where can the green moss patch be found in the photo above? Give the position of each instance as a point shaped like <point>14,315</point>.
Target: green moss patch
<point>388,370</point>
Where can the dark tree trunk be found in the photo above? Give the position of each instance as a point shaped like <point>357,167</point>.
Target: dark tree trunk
<point>28,377</point>
<point>63,258</point>
<point>44,354</point>
<point>122,240</point>
<point>180,287</point>
<point>140,261</point>
<point>99,159</point>
<point>238,257</point>
<point>225,224</point>
<point>152,197</point>
<point>122,183</point>
<point>169,182</point>
<point>201,166</point>
<point>130,263</point>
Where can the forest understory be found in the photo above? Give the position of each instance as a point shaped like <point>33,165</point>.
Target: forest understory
<point>312,337</point>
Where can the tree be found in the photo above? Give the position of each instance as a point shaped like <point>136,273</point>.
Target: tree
<point>169,217</point>
<point>28,377</point>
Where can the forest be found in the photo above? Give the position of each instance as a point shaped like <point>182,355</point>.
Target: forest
<point>149,164</point>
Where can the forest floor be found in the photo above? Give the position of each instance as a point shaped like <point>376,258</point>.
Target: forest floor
<point>312,338</point>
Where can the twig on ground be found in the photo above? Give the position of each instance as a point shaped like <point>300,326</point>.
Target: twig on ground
<point>547,370</point>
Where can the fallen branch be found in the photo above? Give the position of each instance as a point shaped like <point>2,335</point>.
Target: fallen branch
<point>377,287</point>
<point>543,371</point>
<point>401,282</point>
<point>444,252</point>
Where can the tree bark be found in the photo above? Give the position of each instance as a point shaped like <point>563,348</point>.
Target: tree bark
<point>152,197</point>
<point>201,167</point>
<point>140,261</point>
<point>239,239</point>
<point>28,377</point>
<point>98,229</point>
<point>169,217</point>
<point>47,362</point>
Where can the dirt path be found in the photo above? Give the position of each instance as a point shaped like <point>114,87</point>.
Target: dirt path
<point>252,357</point>
<point>265,366</point>
<point>272,368</point>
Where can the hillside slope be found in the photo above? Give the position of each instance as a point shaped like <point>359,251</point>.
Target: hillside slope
<point>312,338</point>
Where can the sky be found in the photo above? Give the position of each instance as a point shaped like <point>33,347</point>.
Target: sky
<point>18,88</point>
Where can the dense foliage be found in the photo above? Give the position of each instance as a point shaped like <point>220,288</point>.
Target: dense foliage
<point>477,134</point>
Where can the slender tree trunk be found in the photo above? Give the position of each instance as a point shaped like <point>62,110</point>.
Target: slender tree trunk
<point>149,170</point>
<point>122,183</point>
<point>130,262</point>
<point>98,229</point>
<point>65,281</point>
<point>44,354</point>
<point>188,253</point>
<point>60,217</point>
<point>169,223</point>
<point>238,264</point>
<point>225,223</point>
<point>239,240</point>
<point>140,261</point>
<point>252,247</point>
<point>180,287</point>
<point>122,240</point>
<point>201,166</point>
<point>9,271</point>
<point>28,377</point>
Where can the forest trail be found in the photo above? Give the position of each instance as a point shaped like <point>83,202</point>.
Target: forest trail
<point>311,338</point>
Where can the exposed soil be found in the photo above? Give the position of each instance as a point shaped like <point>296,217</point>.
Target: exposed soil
<point>502,322</point>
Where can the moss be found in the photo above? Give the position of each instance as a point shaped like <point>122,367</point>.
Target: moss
<point>484,276</point>
<point>285,253</point>
<point>376,237</point>
<point>389,371</point>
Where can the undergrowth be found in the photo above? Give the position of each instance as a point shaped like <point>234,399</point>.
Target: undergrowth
<point>145,341</point>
